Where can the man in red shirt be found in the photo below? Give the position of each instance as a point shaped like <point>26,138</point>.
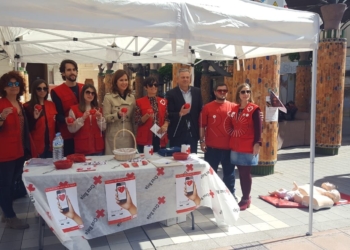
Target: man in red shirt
<point>64,96</point>
<point>215,132</point>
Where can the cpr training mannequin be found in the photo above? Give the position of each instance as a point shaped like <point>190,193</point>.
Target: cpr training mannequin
<point>324,196</point>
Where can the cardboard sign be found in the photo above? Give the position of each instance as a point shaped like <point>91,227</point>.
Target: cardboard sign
<point>188,186</point>
<point>64,206</point>
<point>121,199</point>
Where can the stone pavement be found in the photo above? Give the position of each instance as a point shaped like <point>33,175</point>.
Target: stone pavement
<point>262,226</point>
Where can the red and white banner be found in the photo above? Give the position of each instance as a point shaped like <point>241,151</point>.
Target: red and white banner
<point>64,206</point>
<point>121,199</point>
<point>188,186</point>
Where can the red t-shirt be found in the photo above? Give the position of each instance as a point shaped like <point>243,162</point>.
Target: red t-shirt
<point>217,123</point>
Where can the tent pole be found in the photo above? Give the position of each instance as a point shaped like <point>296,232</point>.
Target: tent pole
<point>16,64</point>
<point>312,136</point>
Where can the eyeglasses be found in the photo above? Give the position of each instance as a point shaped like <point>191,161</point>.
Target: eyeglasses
<point>42,89</point>
<point>90,93</point>
<point>222,91</point>
<point>13,84</point>
<point>151,85</point>
<point>245,92</point>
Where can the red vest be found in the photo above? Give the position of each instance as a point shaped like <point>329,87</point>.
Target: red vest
<point>68,99</point>
<point>89,138</point>
<point>10,135</point>
<point>144,134</point>
<point>243,129</point>
<point>38,133</point>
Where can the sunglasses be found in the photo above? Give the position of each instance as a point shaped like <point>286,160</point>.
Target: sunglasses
<point>151,85</point>
<point>13,84</point>
<point>42,89</point>
<point>245,92</point>
<point>90,93</point>
<point>223,91</point>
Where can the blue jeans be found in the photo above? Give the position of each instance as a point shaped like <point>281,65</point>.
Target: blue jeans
<point>10,171</point>
<point>214,156</point>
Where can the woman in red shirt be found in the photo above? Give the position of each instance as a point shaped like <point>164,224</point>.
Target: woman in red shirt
<point>41,115</point>
<point>246,139</point>
<point>15,144</point>
<point>151,110</point>
<point>87,123</point>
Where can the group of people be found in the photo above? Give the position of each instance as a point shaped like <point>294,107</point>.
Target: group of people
<point>228,133</point>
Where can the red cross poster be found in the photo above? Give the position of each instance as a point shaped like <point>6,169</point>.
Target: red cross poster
<point>63,202</point>
<point>121,199</point>
<point>188,186</point>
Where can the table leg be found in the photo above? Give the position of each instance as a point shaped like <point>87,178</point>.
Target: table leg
<point>192,220</point>
<point>41,232</point>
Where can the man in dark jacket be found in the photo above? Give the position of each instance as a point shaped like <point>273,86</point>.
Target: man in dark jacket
<point>184,126</point>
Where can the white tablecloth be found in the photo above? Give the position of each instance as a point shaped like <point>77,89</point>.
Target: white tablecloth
<point>150,185</point>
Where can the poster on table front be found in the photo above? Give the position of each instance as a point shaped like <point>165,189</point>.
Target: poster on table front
<point>63,202</point>
<point>188,187</point>
<point>121,199</point>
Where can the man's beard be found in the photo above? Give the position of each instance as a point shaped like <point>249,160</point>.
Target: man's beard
<point>71,78</point>
<point>221,98</point>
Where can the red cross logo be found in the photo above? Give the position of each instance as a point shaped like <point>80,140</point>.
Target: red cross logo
<point>31,187</point>
<point>63,183</point>
<point>189,167</point>
<point>211,170</point>
<point>188,151</point>
<point>211,194</point>
<point>100,213</point>
<point>26,170</point>
<point>98,180</point>
<point>160,171</point>
<point>151,151</point>
<point>161,200</point>
<point>130,175</point>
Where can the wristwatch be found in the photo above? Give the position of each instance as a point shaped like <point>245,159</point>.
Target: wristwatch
<point>201,141</point>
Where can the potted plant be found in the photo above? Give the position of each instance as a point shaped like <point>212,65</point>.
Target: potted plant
<point>332,14</point>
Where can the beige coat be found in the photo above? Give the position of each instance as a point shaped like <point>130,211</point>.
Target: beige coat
<point>112,104</point>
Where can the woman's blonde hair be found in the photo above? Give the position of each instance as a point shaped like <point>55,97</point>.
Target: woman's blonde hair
<point>240,87</point>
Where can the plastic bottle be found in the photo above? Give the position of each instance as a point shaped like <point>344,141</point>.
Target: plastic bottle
<point>57,147</point>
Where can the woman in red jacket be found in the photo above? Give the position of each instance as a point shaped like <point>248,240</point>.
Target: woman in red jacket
<point>246,139</point>
<point>15,143</point>
<point>86,121</point>
<point>41,115</point>
<point>151,110</point>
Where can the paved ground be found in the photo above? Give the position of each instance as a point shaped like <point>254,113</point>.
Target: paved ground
<point>262,226</point>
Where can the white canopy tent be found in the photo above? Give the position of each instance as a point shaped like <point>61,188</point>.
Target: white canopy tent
<point>151,31</point>
<point>154,31</point>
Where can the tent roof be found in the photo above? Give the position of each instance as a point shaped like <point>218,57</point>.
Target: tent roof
<point>152,31</point>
